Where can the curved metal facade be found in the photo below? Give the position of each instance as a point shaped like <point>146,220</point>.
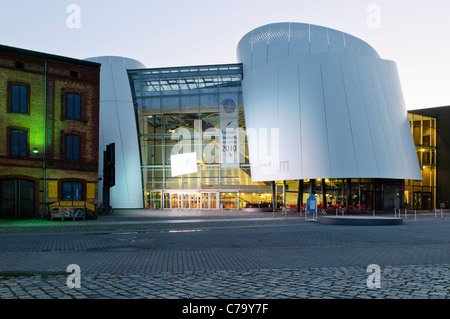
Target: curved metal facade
<point>118,125</point>
<point>320,103</point>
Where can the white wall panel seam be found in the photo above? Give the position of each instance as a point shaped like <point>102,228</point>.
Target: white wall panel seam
<point>386,158</point>
<point>325,120</point>
<point>368,121</point>
<point>349,120</point>
<point>390,137</point>
<point>120,146</point>
<point>300,120</point>
<point>391,151</point>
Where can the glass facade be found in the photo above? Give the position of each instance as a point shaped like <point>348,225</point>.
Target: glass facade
<point>194,110</point>
<point>422,194</point>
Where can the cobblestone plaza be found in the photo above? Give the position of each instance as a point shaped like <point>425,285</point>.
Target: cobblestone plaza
<point>212,255</point>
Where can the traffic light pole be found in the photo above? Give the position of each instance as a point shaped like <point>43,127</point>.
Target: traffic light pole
<point>108,174</point>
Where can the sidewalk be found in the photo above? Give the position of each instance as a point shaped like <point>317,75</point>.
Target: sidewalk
<point>146,219</point>
<point>141,219</point>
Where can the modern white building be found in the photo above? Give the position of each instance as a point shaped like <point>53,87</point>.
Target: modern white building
<point>117,124</point>
<point>337,105</point>
<point>306,109</point>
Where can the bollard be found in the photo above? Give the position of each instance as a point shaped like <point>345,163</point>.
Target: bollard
<point>442,216</point>
<point>415,217</point>
<point>406,217</point>
<point>395,212</point>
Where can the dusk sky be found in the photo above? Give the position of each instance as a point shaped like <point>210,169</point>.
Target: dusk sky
<point>415,34</point>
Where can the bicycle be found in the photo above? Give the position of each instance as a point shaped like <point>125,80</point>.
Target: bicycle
<point>102,210</point>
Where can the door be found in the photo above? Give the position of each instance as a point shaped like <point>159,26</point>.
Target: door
<point>191,200</point>
<point>155,200</point>
<point>17,199</point>
<point>209,200</point>
<point>426,200</point>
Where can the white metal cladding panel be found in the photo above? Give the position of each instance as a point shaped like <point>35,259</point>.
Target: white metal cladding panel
<point>375,122</point>
<point>340,139</point>
<point>395,116</point>
<point>281,39</point>
<point>259,44</point>
<point>356,46</point>
<point>299,39</point>
<point>336,41</point>
<point>269,105</point>
<point>118,125</point>
<point>278,42</point>
<point>359,122</point>
<point>253,117</point>
<point>289,119</point>
<point>318,39</point>
<point>127,153</point>
<point>380,89</point>
<point>315,154</point>
<point>122,90</point>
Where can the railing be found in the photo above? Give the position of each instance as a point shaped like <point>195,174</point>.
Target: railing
<point>70,210</point>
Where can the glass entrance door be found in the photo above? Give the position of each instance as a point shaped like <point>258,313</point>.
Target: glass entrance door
<point>209,200</point>
<point>175,200</point>
<point>191,200</point>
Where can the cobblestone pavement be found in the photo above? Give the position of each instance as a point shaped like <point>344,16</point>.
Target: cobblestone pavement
<point>262,257</point>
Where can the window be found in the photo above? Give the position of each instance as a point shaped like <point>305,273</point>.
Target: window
<point>72,191</point>
<point>73,147</point>
<point>18,142</point>
<point>19,98</point>
<point>73,106</point>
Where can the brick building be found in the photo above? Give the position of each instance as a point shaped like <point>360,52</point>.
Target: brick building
<point>49,116</point>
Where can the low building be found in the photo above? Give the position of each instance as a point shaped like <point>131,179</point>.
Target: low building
<point>48,131</point>
<point>431,132</point>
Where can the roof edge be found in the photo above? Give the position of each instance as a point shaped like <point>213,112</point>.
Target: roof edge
<point>42,55</point>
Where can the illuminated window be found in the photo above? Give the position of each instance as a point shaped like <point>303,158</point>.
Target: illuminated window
<point>18,98</point>
<point>73,106</point>
<point>18,142</point>
<point>73,147</point>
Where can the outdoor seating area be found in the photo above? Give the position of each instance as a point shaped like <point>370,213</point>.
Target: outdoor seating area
<point>332,209</point>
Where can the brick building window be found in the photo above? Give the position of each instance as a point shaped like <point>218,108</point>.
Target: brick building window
<point>18,142</point>
<point>18,98</point>
<point>73,106</point>
<point>73,147</point>
<point>72,191</point>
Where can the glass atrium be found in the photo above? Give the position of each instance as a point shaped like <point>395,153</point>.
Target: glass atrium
<point>184,110</point>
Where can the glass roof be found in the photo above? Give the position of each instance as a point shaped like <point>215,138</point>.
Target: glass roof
<point>188,78</point>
